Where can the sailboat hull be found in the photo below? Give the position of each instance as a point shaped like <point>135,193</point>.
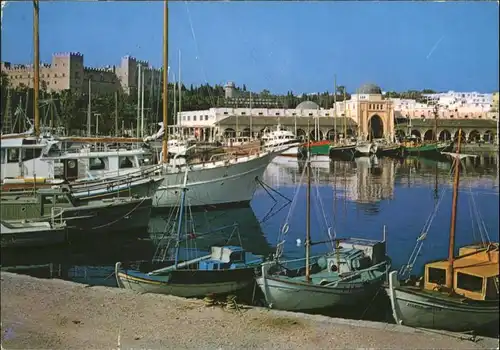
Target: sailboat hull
<point>295,294</point>
<point>414,308</point>
<point>188,283</point>
<point>215,185</point>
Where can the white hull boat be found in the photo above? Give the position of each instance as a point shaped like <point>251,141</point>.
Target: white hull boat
<point>366,148</point>
<point>413,308</point>
<point>215,183</point>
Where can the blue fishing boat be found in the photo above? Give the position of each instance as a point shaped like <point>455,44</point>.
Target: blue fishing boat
<point>225,270</point>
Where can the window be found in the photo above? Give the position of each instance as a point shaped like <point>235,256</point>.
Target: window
<point>194,118</point>
<point>55,75</point>
<point>492,288</point>
<point>437,276</point>
<point>206,117</point>
<point>327,114</point>
<point>31,153</point>
<point>12,155</point>
<point>294,114</point>
<point>189,117</point>
<point>469,282</point>
<point>2,156</point>
<point>97,164</point>
<point>225,113</point>
<point>310,114</point>
<point>260,113</point>
<point>243,113</point>
<point>277,114</point>
<point>125,162</point>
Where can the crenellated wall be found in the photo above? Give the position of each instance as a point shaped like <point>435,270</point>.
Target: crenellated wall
<point>67,71</point>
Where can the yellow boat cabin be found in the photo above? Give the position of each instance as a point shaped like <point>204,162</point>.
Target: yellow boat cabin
<point>475,273</point>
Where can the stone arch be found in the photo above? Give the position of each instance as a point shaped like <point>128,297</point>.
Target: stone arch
<point>375,127</point>
<point>489,136</point>
<point>330,135</point>
<point>245,132</point>
<point>416,133</point>
<point>445,135</point>
<point>313,135</point>
<point>474,136</point>
<point>455,137</point>
<point>429,135</point>
<point>301,134</point>
<point>229,132</point>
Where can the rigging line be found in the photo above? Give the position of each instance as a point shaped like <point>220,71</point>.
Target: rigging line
<point>327,223</point>
<point>474,233</point>
<point>212,100</point>
<point>294,202</point>
<point>482,226</point>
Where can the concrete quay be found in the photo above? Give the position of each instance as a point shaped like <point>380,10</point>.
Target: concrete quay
<point>57,314</point>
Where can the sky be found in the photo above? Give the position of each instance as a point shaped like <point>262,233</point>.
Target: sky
<point>279,46</point>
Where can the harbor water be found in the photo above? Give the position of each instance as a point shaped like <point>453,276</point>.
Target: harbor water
<point>368,197</point>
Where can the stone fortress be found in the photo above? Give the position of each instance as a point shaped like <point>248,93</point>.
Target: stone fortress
<point>67,71</point>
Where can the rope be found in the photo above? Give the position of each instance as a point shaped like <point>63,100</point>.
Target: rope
<point>284,228</point>
<point>123,217</point>
<point>325,220</point>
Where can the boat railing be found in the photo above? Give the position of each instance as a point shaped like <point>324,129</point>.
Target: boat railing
<point>56,213</point>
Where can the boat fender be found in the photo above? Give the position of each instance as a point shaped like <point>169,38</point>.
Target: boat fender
<point>323,282</point>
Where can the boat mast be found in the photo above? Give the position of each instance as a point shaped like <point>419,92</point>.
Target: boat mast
<point>165,82</point>
<point>36,66</point>
<point>180,93</point>
<point>335,109</point>
<point>451,247</point>
<point>345,115</point>
<point>138,118</point>
<point>308,210</point>
<point>436,123</point>
<point>89,109</point>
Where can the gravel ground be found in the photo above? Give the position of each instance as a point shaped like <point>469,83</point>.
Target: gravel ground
<point>56,314</point>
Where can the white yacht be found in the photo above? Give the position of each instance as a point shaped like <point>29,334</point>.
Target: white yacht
<point>281,140</point>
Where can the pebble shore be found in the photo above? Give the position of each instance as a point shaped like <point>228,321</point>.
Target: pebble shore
<point>57,314</point>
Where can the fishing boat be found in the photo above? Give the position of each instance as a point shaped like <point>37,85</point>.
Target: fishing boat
<point>342,150</point>
<point>85,216</point>
<point>385,148</point>
<point>350,274</point>
<point>459,294</point>
<point>411,147</point>
<point>321,148</point>
<point>16,234</point>
<point>366,148</point>
<point>226,269</point>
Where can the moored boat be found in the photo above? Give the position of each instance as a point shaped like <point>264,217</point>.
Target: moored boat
<point>24,233</point>
<point>92,216</point>
<point>460,293</point>
<point>351,273</point>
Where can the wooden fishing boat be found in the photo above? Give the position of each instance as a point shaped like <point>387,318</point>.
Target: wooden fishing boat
<point>342,151</point>
<point>459,294</point>
<point>353,272</point>
<point>225,270</point>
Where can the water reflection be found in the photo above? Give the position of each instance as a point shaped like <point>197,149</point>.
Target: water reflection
<point>92,260</point>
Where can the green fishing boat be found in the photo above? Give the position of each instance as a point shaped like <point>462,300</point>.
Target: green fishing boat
<point>318,148</point>
<point>104,215</point>
<point>434,148</point>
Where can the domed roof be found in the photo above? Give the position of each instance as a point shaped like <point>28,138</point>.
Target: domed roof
<point>370,89</point>
<point>307,105</point>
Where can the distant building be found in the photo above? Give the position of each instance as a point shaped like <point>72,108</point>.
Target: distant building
<point>494,101</point>
<point>237,98</point>
<point>67,72</point>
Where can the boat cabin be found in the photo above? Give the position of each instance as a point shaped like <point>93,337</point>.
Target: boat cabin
<point>475,273</point>
<point>226,257</point>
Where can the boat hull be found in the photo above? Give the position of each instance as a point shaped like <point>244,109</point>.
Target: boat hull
<point>419,309</point>
<point>186,283</point>
<point>342,152</point>
<point>318,148</point>
<point>429,150</point>
<point>290,152</point>
<point>214,185</point>
<point>35,237</point>
<point>294,295</point>
<point>366,149</point>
